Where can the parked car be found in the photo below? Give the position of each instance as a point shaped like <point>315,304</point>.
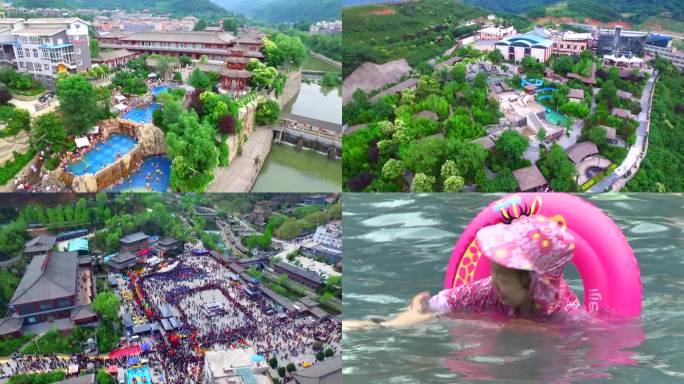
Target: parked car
<point>45,96</point>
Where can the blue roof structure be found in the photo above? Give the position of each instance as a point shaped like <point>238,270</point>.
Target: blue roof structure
<point>80,244</point>
<point>526,40</point>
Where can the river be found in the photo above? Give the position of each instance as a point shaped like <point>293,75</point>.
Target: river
<point>400,245</point>
<point>289,170</point>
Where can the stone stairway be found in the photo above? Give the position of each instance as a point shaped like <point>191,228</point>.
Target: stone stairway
<point>18,143</point>
<point>237,177</point>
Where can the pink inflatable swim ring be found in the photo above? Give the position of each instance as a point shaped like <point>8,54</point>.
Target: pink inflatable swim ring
<point>603,257</point>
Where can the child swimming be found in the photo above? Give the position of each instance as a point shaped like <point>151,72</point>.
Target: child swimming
<point>527,259</point>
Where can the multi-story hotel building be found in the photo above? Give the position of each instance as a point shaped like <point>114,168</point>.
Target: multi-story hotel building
<point>516,48</point>
<point>571,43</point>
<point>216,45</point>
<point>44,48</point>
<point>668,53</point>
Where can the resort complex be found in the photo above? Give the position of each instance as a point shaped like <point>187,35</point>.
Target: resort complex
<point>547,108</point>
<point>162,110</point>
<point>188,293</point>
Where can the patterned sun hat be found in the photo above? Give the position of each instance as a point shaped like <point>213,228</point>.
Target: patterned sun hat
<point>534,243</point>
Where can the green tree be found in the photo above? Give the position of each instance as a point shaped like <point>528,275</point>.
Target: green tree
<point>558,169</point>
<point>291,367</point>
<point>103,377</point>
<point>273,56</point>
<point>289,229</point>
<point>422,183</point>
<point>199,80</point>
<point>453,184</point>
<point>281,371</point>
<point>267,112</point>
<point>541,135</point>
<point>48,132</point>
<point>293,49</point>
<point>329,352</point>
<point>598,136</point>
<point>273,362</point>
<point>231,25</point>
<point>78,103</point>
<point>185,61</point>
<point>320,356</point>
<point>495,56</point>
<point>392,169</point>
<point>512,145</point>
<point>106,304</point>
<point>200,25</point>
<point>563,65</point>
<point>94,48</point>
<point>448,169</point>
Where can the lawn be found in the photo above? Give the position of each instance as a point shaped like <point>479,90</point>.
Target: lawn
<point>7,346</point>
<point>55,341</point>
<point>313,64</point>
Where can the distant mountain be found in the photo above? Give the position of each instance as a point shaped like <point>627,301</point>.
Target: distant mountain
<point>634,11</point>
<point>277,11</point>
<point>350,3</point>
<point>199,8</point>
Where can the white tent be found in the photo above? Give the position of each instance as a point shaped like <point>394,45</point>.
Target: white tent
<point>152,75</point>
<point>120,107</point>
<point>82,142</point>
<point>120,98</point>
<point>94,130</point>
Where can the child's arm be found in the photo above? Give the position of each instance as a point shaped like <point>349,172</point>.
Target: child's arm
<point>417,313</point>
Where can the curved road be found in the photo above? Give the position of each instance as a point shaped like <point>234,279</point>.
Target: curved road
<point>636,150</point>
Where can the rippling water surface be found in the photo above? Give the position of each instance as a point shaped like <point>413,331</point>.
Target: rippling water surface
<point>397,245</point>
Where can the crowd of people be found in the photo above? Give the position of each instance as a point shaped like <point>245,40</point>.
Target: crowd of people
<point>200,280</point>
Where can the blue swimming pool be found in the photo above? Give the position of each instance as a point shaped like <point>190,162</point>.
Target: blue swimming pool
<point>102,154</point>
<point>139,375</point>
<point>141,114</point>
<point>159,169</point>
<point>159,89</point>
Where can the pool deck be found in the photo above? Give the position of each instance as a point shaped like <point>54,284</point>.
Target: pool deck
<point>241,174</point>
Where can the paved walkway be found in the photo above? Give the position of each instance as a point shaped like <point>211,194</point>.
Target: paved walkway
<point>239,176</point>
<point>636,150</point>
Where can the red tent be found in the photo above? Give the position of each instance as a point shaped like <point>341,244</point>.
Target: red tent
<point>130,351</point>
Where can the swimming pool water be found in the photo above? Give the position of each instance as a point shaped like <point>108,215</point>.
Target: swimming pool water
<point>138,376</point>
<point>556,118</point>
<point>102,154</point>
<point>141,114</point>
<point>136,182</point>
<point>399,245</point>
<point>159,89</point>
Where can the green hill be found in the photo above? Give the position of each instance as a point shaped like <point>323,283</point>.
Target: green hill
<point>415,31</point>
<point>278,11</point>
<point>633,11</point>
<point>198,8</point>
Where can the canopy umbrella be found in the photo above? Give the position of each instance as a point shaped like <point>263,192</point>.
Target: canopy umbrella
<point>152,75</point>
<point>82,142</point>
<point>113,369</point>
<point>120,98</point>
<point>133,360</point>
<point>120,107</point>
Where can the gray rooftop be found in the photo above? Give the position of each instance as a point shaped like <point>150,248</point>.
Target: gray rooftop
<point>529,178</point>
<point>42,243</point>
<point>579,151</point>
<point>328,371</point>
<point>10,325</point>
<point>206,37</point>
<point>47,278</point>
<point>300,272</point>
<point>410,83</point>
<point>123,257</point>
<point>133,237</point>
<point>111,55</point>
<point>224,71</point>
<point>167,241</point>
<point>38,31</point>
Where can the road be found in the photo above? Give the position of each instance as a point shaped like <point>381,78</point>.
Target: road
<point>635,151</point>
